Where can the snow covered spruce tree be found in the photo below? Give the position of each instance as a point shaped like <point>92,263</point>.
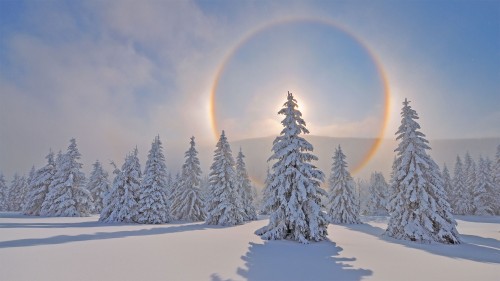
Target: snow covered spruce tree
<point>461,200</point>
<point>189,204</point>
<point>295,194</point>
<point>98,185</point>
<point>496,180</point>
<point>29,183</point>
<point>68,195</point>
<point>266,194</point>
<point>16,193</point>
<point>154,207</point>
<point>378,189</point>
<point>393,185</point>
<point>448,186</point>
<point>244,187</point>
<point>483,194</point>
<point>120,203</point>
<point>342,202</point>
<point>39,187</point>
<point>421,210</point>
<point>3,193</point>
<point>224,205</point>
<point>173,193</point>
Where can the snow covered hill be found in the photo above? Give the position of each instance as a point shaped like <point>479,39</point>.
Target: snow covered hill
<point>40,248</point>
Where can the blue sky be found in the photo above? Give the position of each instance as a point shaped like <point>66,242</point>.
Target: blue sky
<point>114,74</point>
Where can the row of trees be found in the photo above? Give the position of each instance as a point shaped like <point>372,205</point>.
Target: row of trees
<point>418,198</point>
<point>60,188</point>
<point>474,188</point>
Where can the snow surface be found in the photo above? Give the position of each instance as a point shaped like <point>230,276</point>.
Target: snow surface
<point>56,248</point>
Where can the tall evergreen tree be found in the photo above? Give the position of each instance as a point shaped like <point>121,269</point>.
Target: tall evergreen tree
<point>378,188</point>
<point>120,203</point>
<point>483,193</point>
<point>39,187</point>
<point>68,195</point>
<point>244,187</point>
<point>224,205</point>
<point>98,185</point>
<point>189,202</point>
<point>295,198</point>
<point>4,193</point>
<point>154,206</point>
<point>342,205</point>
<point>421,211</point>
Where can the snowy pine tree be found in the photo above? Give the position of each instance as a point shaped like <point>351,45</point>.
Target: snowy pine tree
<point>483,193</point>
<point>465,182</point>
<point>98,185</point>
<point>224,205</point>
<point>295,197</point>
<point>393,192</point>
<point>378,189</point>
<point>342,202</point>
<point>265,209</point>
<point>154,206</point>
<point>244,187</point>
<point>461,194</point>
<point>189,204</point>
<point>29,184</point>
<point>174,195</point>
<point>4,193</point>
<point>496,180</point>
<point>39,187</point>
<point>421,211</point>
<point>16,193</point>
<point>68,195</point>
<point>120,204</point>
<point>448,186</point>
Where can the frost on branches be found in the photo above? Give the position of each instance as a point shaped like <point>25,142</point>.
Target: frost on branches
<point>295,194</point>
<point>98,185</point>
<point>68,195</point>
<point>39,187</point>
<point>342,204</point>
<point>153,198</point>
<point>244,188</point>
<point>421,211</point>
<point>224,205</point>
<point>378,189</point>
<point>120,203</point>
<point>189,203</point>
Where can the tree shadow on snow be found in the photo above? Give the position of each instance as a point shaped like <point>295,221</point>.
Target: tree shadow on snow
<point>61,239</point>
<point>287,260</point>
<point>473,247</point>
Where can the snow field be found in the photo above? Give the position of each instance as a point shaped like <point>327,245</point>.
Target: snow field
<point>41,248</point>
